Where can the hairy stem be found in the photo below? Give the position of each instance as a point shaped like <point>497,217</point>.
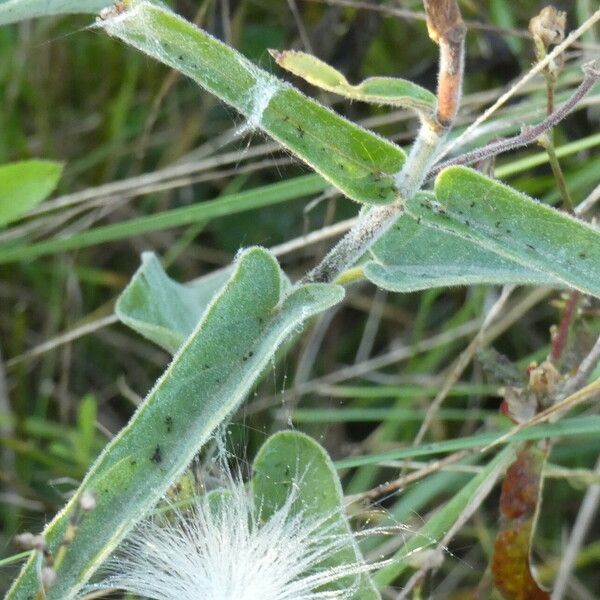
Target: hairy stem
<point>446,28</point>
<point>548,28</point>
<point>559,340</point>
<point>529,135</point>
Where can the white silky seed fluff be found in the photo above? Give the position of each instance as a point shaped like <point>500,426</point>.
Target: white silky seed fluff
<point>233,554</point>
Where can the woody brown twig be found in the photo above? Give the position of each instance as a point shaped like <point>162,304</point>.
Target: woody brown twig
<point>529,135</point>
<point>447,29</point>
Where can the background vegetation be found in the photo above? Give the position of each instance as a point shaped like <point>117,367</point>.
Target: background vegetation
<point>364,375</point>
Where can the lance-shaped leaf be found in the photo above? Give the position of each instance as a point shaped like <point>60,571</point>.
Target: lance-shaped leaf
<point>519,506</point>
<point>502,220</point>
<point>206,381</point>
<point>375,90</point>
<point>163,310</point>
<point>413,256</point>
<point>24,185</point>
<point>293,459</point>
<point>13,11</point>
<point>358,162</point>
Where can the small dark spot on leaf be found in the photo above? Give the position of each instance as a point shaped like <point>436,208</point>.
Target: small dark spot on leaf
<point>169,423</point>
<point>472,205</point>
<point>582,255</point>
<point>156,457</point>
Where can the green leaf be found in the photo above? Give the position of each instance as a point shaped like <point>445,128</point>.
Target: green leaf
<point>376,90</point>
<point>514,226</point>
<point>442,521</point>
<point>13,11</point>
<point>24,185</point>
<point>293,463</point>
<point>207,380</point>
<point>358,162</point>
<point>162,310</point>
<point>412,256</point>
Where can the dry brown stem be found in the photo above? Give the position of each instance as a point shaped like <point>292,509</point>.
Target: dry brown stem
<point>447,29</point>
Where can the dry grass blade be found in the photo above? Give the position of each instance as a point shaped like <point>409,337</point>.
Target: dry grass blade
<point>585,394</point>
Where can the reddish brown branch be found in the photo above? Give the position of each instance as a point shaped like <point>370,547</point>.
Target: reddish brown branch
<point>447,29</point>
<point>559,340</point>
<point>529,135</point>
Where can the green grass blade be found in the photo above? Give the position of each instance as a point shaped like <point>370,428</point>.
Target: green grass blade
<point>13,11</point>
<point>515,166</point>
<point>227,205</point>
<point>413,256</point>
<point>404,415</point>
<point>163,310</point>
<point>293,463</point>
<point>206,381</point>
<point>24,185</point>
<point>376,90</point>
<point>442,521</point>
<point>502,220</point>
<point>358,162</point>
<point>573,427</point>
<point>374,392</point>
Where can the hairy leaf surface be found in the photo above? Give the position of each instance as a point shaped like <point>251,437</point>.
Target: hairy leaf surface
<point>13,11</point>
<point>414,256</point>
<point>500,219</point>
<point>376,90</point>
<point>207,380</point>
<point>163,310</point>
<point>358,162</point>
<point>290,459</point>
